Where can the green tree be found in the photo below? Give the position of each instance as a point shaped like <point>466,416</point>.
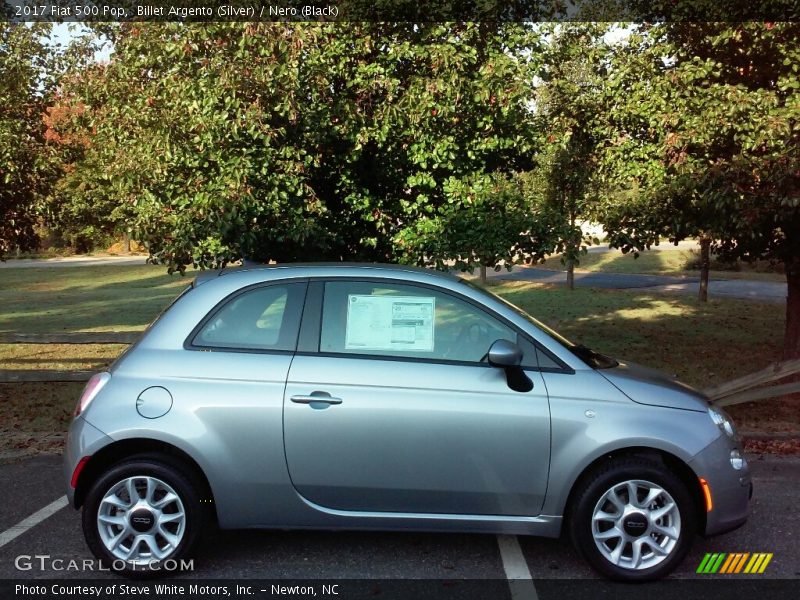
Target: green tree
<point>569,105</point>
<point>489,221</point>
<point>25,176</point>
<point>81,207</point>
<point>704,140</point>
<point>287,142</point>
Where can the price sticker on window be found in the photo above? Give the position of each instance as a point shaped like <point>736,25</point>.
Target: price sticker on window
<point>390,323</point>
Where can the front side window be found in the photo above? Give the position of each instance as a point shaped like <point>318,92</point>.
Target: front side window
<point>264,318</point>
<point>386,319</point>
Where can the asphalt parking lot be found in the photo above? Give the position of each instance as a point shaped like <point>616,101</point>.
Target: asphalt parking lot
<point>28,486</point>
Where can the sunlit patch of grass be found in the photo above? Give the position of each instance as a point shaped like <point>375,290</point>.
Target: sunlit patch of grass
<point>650,309</point>
<point>66,357</point>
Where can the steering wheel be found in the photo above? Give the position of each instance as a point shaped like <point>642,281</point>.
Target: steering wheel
<point>473,334</point>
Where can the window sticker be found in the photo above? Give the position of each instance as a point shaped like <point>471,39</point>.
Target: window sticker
<point>390,323</point>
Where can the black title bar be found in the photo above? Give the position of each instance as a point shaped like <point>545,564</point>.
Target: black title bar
<point>401,10</point>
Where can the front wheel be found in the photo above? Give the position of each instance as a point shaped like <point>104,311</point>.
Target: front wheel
<point>633,520</point>
<point>140,514</point>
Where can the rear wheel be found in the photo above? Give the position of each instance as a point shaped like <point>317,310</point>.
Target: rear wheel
<point>633,520</point>
<point>142,516</point>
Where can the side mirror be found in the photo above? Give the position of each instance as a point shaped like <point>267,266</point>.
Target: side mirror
<point>505,354</point>
<point>508,356</point>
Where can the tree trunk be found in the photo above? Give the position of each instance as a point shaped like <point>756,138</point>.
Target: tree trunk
<point>483,274</point>
<point>126,243</point>
<point>791,339</point>
<point>571,251</point>
<point>571,274</point>
<point>705,264</point>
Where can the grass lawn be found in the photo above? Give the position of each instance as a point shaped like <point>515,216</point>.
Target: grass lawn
<point>664,261</point>
<point>97,298</point>
<point>703,344</point>
<point>58,357</point>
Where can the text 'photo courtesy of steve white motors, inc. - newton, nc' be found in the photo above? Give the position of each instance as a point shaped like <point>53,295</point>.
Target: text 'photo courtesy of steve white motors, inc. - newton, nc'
<point>161,590</point>
<point>168,12</point>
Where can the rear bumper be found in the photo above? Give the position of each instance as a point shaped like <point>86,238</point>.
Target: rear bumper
<point>731,490</point>
<point>83,439</point>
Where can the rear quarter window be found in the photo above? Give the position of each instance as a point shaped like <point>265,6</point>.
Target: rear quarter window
<point>263,318</point>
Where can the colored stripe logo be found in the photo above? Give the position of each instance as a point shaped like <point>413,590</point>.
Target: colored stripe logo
<point>734,562</point>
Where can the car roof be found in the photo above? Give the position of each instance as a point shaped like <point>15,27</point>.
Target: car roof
<point>249,266</point>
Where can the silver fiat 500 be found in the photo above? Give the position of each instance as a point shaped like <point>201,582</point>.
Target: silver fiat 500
<point>385,397</point>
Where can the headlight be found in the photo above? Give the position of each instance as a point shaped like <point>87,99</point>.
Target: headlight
<point>723,421</point>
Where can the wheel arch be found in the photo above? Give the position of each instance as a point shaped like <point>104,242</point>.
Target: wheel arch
<point>121,450</point>
<point>672,462</point>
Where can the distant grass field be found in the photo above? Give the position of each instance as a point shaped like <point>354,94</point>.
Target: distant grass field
<point>663,261</point>
<point>96,298</point>
<point>703,343</point>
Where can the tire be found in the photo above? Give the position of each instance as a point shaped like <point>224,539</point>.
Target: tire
<point>641,540</point>
<point>142,538</point>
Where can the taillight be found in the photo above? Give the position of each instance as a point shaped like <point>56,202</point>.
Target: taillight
<point>93,387</point>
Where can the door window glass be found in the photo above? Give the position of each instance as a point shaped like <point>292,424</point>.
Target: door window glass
<point>407,321</point>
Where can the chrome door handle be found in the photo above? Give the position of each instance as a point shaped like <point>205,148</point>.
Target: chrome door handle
<point>316,397</point>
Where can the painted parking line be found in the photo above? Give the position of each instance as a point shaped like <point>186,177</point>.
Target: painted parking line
<point>40,515</point>
<point>516,568</point>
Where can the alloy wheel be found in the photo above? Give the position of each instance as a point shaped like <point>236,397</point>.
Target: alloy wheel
<point>141,519</point>
<point>636,524</point>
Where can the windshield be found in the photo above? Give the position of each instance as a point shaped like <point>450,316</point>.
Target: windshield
<point>590,357</point>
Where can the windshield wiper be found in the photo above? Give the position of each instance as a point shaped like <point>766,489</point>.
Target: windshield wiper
<point>592,358</point>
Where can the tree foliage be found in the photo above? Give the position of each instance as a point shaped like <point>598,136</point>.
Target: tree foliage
<point>298,142</point>
<point>569,106</point>
<point>704,137</point>
<point>25,173</point>
<point>81,207</point>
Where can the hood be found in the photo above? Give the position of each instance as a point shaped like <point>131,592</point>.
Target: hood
<point>650,386</point>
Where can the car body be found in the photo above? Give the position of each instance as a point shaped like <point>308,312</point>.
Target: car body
<point>391,398</point>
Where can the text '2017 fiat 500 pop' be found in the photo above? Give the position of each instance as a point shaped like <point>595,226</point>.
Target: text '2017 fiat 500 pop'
<point>383,397</point>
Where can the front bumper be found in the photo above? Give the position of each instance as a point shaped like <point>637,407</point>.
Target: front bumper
<point>731,490</point>
<point>83,439</point>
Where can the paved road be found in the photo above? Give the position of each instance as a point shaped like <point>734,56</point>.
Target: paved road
<point>774,527</point>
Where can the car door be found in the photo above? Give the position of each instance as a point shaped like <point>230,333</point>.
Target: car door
<point>396,409</point>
